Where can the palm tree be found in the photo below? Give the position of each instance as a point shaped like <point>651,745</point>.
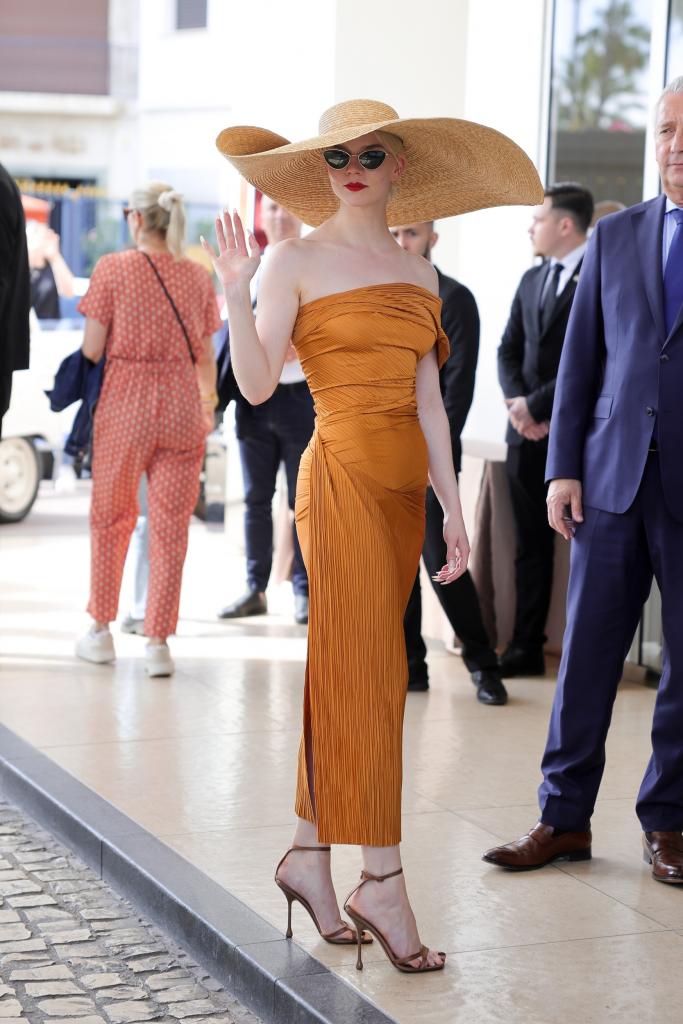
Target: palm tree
<point>598,84</point>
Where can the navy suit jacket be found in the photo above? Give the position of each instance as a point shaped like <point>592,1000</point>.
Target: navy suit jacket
<point>619,369</point>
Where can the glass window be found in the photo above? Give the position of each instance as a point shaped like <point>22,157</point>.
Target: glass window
<point>674,50</point>
<point>600,99</point>
<point>191,13</point>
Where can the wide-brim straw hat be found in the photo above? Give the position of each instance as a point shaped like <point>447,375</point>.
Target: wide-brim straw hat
<point>452,166</point>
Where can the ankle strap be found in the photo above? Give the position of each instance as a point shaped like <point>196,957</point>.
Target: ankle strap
<point>292,849</point>
<point>366,876</point>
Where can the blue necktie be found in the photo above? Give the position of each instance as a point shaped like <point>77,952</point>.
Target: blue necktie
<point>673,274</point>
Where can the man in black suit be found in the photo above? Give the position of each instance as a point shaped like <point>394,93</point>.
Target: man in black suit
<point>460,321</point>
<point>528,360</point>
<point>15,300</point>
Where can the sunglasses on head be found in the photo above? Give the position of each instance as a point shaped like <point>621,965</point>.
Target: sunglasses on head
<point>338,159</point>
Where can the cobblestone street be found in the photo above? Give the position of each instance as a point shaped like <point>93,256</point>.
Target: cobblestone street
<point>72,950</point>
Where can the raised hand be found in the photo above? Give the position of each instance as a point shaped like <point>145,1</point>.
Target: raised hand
<point>235,263</point>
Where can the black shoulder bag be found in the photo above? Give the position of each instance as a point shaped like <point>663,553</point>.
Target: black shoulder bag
<point>173,307</point>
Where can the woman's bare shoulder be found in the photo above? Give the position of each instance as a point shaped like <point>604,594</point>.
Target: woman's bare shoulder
<point>422,273</point>
<point>293,259</point>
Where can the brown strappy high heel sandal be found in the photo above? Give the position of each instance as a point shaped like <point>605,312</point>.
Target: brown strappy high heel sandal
<point>291,895</point>
<point>403,963</point>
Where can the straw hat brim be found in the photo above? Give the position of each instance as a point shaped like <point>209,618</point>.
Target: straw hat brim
<point>452,166</point>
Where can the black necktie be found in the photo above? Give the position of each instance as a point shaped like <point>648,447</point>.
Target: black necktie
<point>550,295</point>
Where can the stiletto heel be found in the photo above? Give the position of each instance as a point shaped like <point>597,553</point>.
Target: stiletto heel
<point>289,932</point>
<point>359,960</point>
<point>403,963</point>
<point>291,895</point>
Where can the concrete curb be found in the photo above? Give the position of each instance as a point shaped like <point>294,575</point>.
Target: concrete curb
<point>268,973</point>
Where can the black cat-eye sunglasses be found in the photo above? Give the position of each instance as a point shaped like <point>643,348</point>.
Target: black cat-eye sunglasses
<point>338,159</point>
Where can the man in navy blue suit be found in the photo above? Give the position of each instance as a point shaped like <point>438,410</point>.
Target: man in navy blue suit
<point>615,466</point>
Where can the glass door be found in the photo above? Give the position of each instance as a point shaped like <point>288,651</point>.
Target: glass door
<point>600,96</point>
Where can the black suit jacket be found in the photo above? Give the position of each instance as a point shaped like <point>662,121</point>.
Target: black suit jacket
<point>528,358</point>
<point>460,321</point>
<point>15,298</point>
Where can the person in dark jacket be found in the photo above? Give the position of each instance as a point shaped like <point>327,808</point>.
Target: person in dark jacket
<point>15,300</point>
<point>528,359</point>
<point>460,321</point>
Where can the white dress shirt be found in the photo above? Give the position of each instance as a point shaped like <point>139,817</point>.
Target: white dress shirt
<point>569,264</point>
<point>669,230</point>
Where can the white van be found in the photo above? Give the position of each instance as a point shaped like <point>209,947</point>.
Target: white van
<point>33,435</point>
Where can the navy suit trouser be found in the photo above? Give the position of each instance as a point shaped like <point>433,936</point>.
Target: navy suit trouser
<point>613,560</point>
<point>275,431</point>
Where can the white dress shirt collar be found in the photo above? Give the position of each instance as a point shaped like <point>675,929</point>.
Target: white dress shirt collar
<point>570,262</point>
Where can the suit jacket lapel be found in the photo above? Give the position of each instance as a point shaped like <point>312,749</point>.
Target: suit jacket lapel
<point>539,285</point>
<point>647,228</point>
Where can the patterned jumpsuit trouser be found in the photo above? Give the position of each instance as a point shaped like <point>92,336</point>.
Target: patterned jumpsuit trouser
<point>148,420</point>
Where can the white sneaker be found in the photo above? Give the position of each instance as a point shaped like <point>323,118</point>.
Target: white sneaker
<point>158,660</point>
<point>96,646</point>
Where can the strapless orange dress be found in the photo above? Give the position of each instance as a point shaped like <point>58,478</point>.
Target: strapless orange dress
<point>360,510</point>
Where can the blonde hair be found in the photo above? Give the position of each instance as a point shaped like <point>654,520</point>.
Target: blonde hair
<point>162,211</point>
<point>392,143</point>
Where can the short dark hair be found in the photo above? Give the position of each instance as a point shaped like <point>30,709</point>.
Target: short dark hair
<point>574,200</point>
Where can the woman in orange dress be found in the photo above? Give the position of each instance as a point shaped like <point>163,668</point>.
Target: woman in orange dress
<point>153,415</point>
<point>364,317</point>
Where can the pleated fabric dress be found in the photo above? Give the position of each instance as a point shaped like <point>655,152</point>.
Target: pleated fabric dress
<point>360,512</point>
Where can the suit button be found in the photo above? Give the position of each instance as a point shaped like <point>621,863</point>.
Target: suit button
<point>650,411</point>
<point>664,358</point>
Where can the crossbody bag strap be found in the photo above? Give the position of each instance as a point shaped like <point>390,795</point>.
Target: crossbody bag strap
<point>173,307</point>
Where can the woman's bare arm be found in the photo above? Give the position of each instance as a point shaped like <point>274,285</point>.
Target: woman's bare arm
<point>94,339</point>
<point>257,347</point>
<point>436,430</point>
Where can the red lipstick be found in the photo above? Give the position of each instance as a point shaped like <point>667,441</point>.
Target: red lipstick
<point>355,186</point>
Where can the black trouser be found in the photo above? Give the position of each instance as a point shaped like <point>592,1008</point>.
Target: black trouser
<point>459,600</point>
<point>535,542</point>
<point>274,432</point>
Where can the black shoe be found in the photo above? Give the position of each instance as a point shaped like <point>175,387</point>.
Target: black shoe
<point>418,685</point>
<point>301,609</point>
<point>490,689</point>
<point>251,603</point>
<point>519,661</point>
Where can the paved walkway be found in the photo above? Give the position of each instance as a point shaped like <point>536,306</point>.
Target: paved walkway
<point>206,762</point>
<point>73,952</point>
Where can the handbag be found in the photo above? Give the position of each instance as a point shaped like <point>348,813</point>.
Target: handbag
<point>173,307</point>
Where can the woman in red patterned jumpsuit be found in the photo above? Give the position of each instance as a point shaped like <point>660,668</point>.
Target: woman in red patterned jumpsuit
<point>154,412</point>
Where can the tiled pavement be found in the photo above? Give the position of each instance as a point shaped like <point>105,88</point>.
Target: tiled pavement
<point>205,762</point>
<point>72,951</point>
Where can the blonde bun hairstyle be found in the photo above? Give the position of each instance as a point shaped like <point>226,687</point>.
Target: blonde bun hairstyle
<point>163,212</point>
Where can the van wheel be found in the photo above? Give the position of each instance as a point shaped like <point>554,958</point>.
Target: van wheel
<point>19,478</point>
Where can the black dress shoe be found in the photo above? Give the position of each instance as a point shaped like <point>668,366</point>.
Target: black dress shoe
<point>490,689</point>
<point>519,661</point>
<point>301,609</point>
<point>251,603</point>
<point>418,685</point>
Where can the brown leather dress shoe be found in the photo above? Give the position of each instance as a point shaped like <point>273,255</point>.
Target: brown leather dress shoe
<point>540,847</point>
<point>664,850</point>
